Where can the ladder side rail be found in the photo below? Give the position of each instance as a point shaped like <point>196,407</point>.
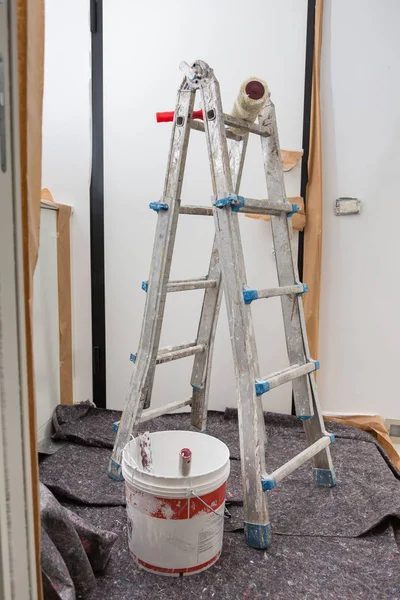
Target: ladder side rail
<point>294,320</point>
<point>141,382</point>
<point>257,526</point>
<point>282,233</point>
<point>201,374</point>
<point>237,155</point>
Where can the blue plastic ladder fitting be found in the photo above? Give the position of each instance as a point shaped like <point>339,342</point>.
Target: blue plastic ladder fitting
<point>232,200</point>
<point>157,206</point>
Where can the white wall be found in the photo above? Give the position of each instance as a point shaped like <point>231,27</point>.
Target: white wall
<point>143,46</point>
<point>46,346</point>
<point>67,157</point>
<point>360,322</point>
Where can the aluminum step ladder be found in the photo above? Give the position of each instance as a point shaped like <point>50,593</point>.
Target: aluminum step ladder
<point>227,268</point>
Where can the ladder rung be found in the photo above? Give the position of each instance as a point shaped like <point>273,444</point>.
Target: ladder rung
<point>152,413</point>
<point>180,347</point>
<point>237,123</point>
<point>182,285</point>
<point>256,206</point>
<point>269,481</point>
<point>199,126</point>
<point>174,352</point>
<point>191,284</point>
<point>280,377</point>
<point>242,124</point>
<point>286,290</point>
<point>196,210</point>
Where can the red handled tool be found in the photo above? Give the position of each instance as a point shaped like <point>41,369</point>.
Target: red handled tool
<point>166,117</point>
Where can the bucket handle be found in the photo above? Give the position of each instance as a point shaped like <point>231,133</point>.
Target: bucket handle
<point>226,515</point>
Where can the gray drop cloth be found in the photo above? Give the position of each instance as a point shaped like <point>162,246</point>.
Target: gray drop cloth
<point>294,568</point>
<point>368,491</point>
<point>80,473</point>
<point>72,550</point>
<point>85,424</point>
<point>327,543</point>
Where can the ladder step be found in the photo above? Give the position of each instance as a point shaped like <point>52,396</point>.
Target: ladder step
<point>246,125</point>
<point>286,290</point>
<point>196,210</point>
<point>201,283</point>
<point>182,285</point>
<point>257,207</point>
<point>228,119</point>
<point>280,377</point>
<point>170,353</point>
<point>152,413</point>
<point>269,481</point>
<point>199,126</point>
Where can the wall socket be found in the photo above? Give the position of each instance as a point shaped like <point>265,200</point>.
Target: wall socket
<point>393,427</point>
<point>347,206</point>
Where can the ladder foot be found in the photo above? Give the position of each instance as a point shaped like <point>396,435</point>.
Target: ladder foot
<point>115,426</point>
<point>325,477</point>
<point>258,536</point>
<point>115,471</point>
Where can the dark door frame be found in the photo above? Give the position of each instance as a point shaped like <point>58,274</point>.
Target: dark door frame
<point>97,188</point>
<point>97,210</point>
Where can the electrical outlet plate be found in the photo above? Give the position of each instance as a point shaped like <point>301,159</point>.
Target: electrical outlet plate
<point>347,206</point>
<point>393,427</point>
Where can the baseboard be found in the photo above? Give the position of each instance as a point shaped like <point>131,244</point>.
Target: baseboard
<point>348,414</point>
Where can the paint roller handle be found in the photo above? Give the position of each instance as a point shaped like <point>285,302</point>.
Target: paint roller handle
<point>185,461</point>
<point>166,117</point>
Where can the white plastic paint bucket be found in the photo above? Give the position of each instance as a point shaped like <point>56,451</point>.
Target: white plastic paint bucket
<point>175,523</point>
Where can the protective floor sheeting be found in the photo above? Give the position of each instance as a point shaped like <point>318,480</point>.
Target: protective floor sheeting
<point>317,551</point>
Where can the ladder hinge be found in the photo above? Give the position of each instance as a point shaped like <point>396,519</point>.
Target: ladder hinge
<point>232,200</point>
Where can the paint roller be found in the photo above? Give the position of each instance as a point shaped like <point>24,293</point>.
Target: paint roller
<point>249,102</point>
<point>185,461</point>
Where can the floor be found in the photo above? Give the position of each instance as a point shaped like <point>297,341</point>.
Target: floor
<point>337,543</point>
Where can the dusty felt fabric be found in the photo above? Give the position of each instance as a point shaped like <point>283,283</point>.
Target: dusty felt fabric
<point>72,550</point>
<point>57,582</point>
<point>85,424</point>
<point>376,425</point>
<point>295,567</point>
<point>368,489</point>
<point>315,565</point>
